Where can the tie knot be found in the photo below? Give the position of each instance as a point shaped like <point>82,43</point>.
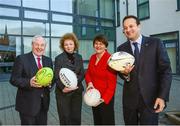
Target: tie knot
<point>38,58</point>
<point>135,44</point>
<point>39,62</point>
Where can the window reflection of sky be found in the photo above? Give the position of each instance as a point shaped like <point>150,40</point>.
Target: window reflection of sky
<point>13,27</point>
<point>9,12</point>
<point>11,2</point>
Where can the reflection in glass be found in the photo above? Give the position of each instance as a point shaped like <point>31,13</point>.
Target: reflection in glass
<point>11,2</point>
<point>87,7</point>
<point>9,12</point>
<point>89,21</point>
<point>39,4</point>
<point>12,27</point>
<point>62,6</point>
<point>62,18</point>
<point>107,23</point>
<point>55,50</point>
<point>142,1</point>
<point>59,30</point>
<point>86,48</point>
<point>143,11</point>
<point>8,52</point>
<point>36,15</point>
<point>107,9</point>
<point>28,45</point>
<point>35,28</point>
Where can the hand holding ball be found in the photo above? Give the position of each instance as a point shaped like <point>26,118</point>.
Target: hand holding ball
<point>92,97</point>
<point>119,60</point>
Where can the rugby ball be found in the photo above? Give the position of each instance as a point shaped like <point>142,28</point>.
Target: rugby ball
<point>44,76</point>
<point>68,77</point>
<point>119,60</point>
<point>92,97</point>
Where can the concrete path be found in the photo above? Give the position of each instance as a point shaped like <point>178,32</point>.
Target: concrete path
<point>8,115</point>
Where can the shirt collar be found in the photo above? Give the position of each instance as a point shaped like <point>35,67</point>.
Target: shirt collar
<point>139,40</point>
<point>35,56</point>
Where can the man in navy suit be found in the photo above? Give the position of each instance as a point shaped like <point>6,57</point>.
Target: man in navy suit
<point>32,100</point>
<point>147,83</point>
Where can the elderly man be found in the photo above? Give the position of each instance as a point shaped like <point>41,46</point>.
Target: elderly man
<point>32,100</point>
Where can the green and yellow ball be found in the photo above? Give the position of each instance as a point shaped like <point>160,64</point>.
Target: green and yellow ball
<point>44,76</point>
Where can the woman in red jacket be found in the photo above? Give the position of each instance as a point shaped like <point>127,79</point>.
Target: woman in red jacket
<point>100,76</point>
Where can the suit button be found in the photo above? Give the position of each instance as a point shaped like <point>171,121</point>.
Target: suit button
<point>42,95</point>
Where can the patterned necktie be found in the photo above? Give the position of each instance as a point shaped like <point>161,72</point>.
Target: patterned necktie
<point>136,53</point>
<point>39,63</point>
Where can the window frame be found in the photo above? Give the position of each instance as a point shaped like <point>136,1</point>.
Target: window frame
<point>138,10</point>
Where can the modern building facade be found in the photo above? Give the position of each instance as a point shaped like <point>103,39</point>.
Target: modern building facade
<point>20,20</point>
<point>159,18</point>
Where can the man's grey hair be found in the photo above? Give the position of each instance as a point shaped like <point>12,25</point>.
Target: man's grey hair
<point>36,37</point>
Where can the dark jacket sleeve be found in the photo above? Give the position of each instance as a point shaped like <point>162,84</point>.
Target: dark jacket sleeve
<point>18,77</point>
<point>164,72</point>
<point>57,67</point>
<point>80,74</point>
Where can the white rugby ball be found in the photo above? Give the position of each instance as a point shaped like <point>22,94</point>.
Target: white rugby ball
<point>92,97</point>
<point>68,77</point>
<point>119,60</point>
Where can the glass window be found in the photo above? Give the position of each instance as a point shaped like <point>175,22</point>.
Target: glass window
<point>107,23</point>
<point>9,12</point>
<point>28,45</point>
<point>9,49</point>
<point>118,13</point>
<point>84,30</point>
<point>11,27</point>
<point>107,9</point>
<point>143,9</point>
<point>35,28</point>
<point>11,2</point>
<point>89,21</point>
<point>55,50</point>
<point>59,29</point>
<point>111,46</point>
<point>87,7</point>
<point>86,48</point>
<point>62,18</point>
<point>62,6</point>
<point>35,15</point>
<point>39,4</point>
<point>142,1</point>
<point>178,4</point>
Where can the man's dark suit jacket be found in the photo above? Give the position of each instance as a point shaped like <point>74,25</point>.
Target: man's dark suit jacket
<point>154,75</point>
<point>28,99</point>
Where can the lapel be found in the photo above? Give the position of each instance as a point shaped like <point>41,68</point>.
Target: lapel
<point>44,63</point>
<point>129,49</point>
<point>33,64</point>
<point>144,45</point>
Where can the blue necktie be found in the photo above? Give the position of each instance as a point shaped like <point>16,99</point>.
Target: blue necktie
<point>136,54</point>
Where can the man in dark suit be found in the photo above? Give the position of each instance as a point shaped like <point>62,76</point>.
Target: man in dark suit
<point>32,100</point>
<point>147,83</point>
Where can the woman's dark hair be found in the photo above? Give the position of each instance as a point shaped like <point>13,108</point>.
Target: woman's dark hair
<point>101,38</point>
